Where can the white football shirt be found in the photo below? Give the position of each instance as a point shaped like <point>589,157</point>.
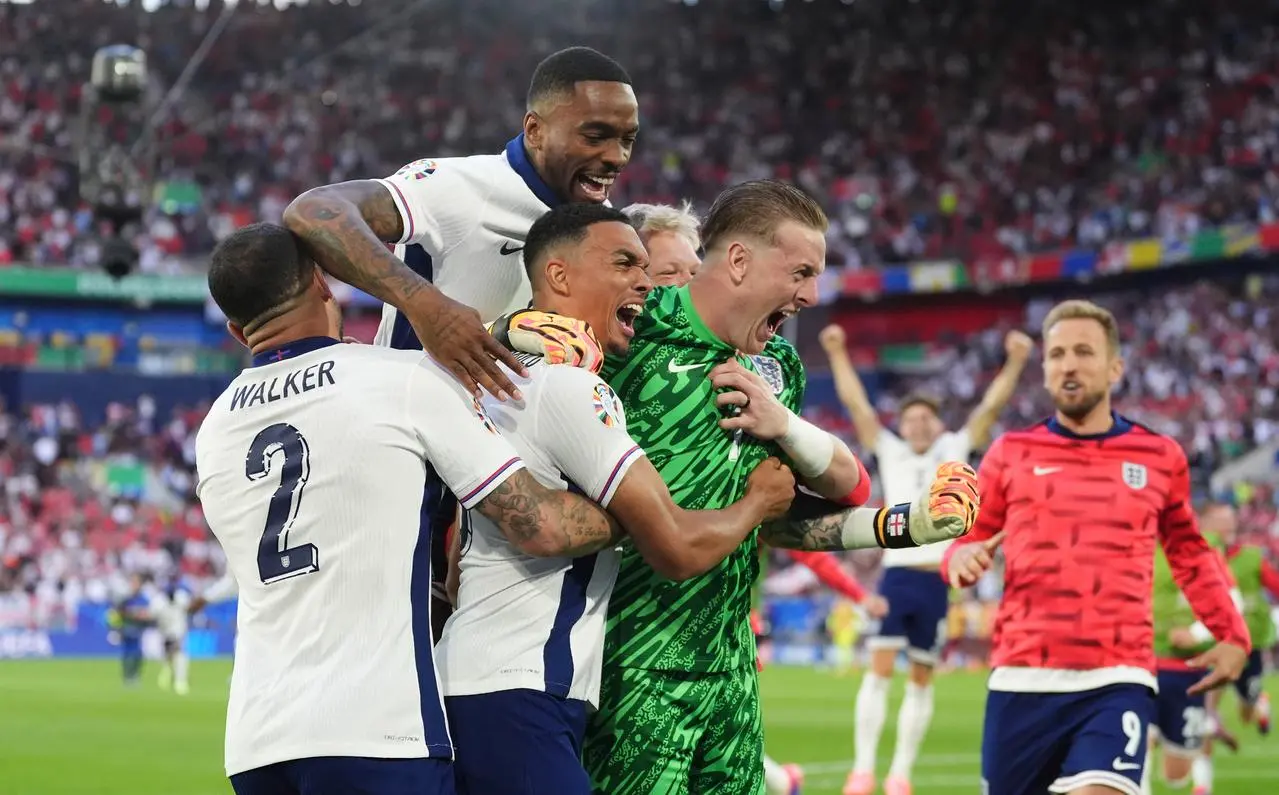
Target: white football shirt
<point>538,623</point>
<point>905,473</point>
<point>320,467</point>
<point>465,220</point>
<point>171,613</point>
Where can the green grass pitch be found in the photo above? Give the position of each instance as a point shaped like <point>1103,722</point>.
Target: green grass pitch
<point>70,728</point>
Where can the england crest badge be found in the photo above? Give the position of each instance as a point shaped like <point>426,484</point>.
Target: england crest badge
<point>1134,475</point>
<point>771,371</point>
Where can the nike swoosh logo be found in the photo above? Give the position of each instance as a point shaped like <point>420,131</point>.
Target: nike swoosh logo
<point>1046,470</point>
<point>508,249</point>
<point>1120,764</point>
<point>680,368</point>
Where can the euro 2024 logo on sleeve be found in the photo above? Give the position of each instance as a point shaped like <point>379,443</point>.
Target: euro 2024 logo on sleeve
<point>608,409</point>
<point>771,371</point>
<point>1134,475</point>
<point>418,169</point>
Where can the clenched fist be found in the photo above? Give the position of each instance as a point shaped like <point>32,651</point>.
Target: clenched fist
<point>557,338</point>
<point>949,509</point>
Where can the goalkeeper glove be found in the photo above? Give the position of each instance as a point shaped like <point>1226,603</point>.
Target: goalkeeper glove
<point>556,338</point>
<point>949,508</point>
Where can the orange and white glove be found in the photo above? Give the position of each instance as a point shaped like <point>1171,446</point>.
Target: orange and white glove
<point>557,338</point>
<point>950,507</point>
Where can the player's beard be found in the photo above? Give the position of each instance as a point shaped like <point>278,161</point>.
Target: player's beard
<point>1080,409</point>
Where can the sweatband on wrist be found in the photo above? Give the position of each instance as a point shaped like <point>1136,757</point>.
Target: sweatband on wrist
<point>867,528</point>
<point>809,448</point>
<point>861,494</point>
<point>1200,633</point>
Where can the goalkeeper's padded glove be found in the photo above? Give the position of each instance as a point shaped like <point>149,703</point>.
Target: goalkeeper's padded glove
<point>557,338</point>
<point>949,508</point>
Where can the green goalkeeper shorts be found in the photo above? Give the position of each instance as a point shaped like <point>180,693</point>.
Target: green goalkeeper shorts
<point>675,733</point>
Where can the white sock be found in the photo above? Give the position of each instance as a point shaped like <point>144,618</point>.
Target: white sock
<point>180,666</point>
<point>1201,772</point>
<point>872,704</point>
<point>912,724</point>
<point>776,782</point>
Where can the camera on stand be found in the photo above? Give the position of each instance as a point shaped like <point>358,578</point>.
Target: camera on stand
<point>113,152</point>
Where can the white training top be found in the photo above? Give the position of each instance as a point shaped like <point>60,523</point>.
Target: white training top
<point>538,623</point>
<point>320,469</point>
<point>465,220</point>
<point>905,473</point>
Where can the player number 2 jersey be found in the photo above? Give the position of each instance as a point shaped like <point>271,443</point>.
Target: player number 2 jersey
<point>318,473</point>
<point>702,624</point>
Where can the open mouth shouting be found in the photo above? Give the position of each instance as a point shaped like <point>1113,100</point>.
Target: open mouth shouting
<point>626,315</point>
<point>594,187</point>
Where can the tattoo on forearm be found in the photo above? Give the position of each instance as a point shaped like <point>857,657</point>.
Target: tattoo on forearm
<point>523,509</point>
<point>345,228</point>
<point>818,533</point>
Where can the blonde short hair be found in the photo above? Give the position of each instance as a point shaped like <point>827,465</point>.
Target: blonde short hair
<point>1076,309</point>
<point>649,219</point>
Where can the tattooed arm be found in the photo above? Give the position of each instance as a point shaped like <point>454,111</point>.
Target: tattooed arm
<point>545,523</point>
<point>345,229</point>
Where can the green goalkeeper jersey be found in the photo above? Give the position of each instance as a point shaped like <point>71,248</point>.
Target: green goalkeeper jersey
<point>702,624</point>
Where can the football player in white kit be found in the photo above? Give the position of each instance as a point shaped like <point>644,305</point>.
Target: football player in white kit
<point>918,599</point>
<point>319,468</point>
<point>458,223</point>
<point>171,606</point>
<point>521,656</point>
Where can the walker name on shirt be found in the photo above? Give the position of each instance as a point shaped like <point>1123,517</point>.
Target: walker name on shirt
<point>280,387</point>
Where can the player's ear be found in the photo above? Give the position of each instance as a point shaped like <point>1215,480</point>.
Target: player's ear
<point>738,260</point>
<point>556,276</point>
<point>1116,369</point>
<point>533,130</point>
<point>237,333</point>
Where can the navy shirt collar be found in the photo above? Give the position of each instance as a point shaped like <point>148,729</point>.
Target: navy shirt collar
<point>292,349</point>
<point>1119,428</point>
<point>517,156</point>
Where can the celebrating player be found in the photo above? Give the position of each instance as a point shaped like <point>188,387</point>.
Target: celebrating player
<point>1080,502</point>
<point>318,466</point>
<point>520,658</point>
<point>679,708</point>
<point>917,600</point>
<point>460,222</point>
<point>670,235</point>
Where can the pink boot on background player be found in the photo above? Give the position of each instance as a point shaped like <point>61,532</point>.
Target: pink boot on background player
<point>897,785</point>
<point>860,782</point>
<point>796,774</point>
<point>1263,713</point>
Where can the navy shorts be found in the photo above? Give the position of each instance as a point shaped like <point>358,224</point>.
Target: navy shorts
<point>1249,683</point>
<point>917,604</point>
<point>1034,743</point>
<point>1181,718</point>
<point>518,742</point>
<point>348,775</point>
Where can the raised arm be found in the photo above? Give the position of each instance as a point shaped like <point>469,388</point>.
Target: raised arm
<point>1018,347</point>
<point>345,228</point>
<point>849,387</point>
<point>681,544</point>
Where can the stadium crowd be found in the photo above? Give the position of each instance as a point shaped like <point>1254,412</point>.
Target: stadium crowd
<point>928,129</point>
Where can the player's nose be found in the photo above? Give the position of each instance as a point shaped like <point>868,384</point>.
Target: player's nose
<point>807,295</point>
<point>615,155</point>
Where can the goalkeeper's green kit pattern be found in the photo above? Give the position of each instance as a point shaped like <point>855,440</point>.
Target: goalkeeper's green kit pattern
<point>679,709</point>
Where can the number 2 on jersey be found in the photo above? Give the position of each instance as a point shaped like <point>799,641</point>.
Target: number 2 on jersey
<point>276,559</point>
